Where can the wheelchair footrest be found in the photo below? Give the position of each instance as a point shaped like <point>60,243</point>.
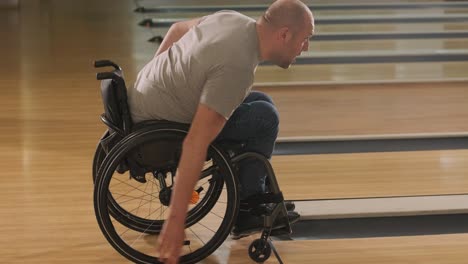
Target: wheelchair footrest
<point>256,200</point>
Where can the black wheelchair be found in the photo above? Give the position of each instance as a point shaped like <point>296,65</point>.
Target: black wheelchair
<point>134,168</point>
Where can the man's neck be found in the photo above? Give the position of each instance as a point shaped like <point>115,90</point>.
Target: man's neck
<point>262,41</point>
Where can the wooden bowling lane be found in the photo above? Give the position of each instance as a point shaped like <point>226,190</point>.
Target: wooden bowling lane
<point>392,27</point>
<point>46,196</point>
<point>370,27</point>
<point>433,249</point>
<point>364,175</point>
<point>316,47</point>
<point>47,175</point>
<point>396,11</point>
<point>364,27</point>
<point>266,2</point>
<point>48,215</point>
<point>367,72</point>
<point>371,109</point>
<point>318,14</point>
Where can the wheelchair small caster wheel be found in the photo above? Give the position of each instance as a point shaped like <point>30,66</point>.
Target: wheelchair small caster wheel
<point>259,250</point>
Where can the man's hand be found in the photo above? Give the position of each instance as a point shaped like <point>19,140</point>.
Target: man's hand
<point>171,239</point>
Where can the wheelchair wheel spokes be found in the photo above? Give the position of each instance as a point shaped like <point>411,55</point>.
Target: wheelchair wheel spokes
<point>211,187</point>
<point>198,236</point>
<point>139,215</point>
<point>131,214</point>
<point>137,202</point>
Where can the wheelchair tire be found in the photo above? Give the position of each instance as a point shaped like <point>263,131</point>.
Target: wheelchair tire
<point>141,224</point>
<point>99,156</point>
<point>222,183</point>
<point>259,250</point>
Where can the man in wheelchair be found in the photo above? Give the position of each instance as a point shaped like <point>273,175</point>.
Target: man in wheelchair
<point>201,75</point>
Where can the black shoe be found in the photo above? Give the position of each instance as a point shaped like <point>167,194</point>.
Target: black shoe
<point>290,206</point>
<point>248,224</point>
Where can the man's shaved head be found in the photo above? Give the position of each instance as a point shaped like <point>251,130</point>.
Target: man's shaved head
<point>284,31</point>
<point>287,13</point>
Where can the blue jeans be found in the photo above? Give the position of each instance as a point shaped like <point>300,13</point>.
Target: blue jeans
<point>254,123</point>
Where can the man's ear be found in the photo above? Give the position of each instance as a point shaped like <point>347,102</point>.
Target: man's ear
<point>284,35</point>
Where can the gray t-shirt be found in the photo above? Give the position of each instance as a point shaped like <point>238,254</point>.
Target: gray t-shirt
<point>213,63</point>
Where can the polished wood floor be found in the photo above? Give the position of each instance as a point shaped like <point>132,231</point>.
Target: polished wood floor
<point>372,109</point>
<point>50,106</point>
<point>416,27</point>
<point>447,249</point>
<point>387,46</point>
<point>361,73</point>
<point>361,175</point>
<point>319,14</point>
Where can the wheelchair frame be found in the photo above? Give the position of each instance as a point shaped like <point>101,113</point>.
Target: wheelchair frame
<point>260,249</point>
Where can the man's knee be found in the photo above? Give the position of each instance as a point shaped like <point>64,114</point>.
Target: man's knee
<point>261,96</point>
<point>267,112</point>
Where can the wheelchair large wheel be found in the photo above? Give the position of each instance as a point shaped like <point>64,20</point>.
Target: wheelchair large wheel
<point>130,214</point>
<point>99,156</point>
<point>199,210</point>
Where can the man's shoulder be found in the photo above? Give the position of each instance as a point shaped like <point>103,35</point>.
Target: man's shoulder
<point>227,38</point>
<point>230,14</point>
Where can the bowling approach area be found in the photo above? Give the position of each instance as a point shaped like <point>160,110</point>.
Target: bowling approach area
<point>372,146</point>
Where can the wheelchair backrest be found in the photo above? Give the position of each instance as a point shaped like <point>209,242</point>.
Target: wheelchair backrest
<point>151,156</point>
<point>116,111</point>
<point>114,98</point>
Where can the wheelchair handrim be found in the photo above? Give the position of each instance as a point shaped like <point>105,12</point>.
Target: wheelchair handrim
<point>105,223</point>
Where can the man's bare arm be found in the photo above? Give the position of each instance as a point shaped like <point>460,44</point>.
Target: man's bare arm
<point>206,125</point>
<point>176,31</point>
